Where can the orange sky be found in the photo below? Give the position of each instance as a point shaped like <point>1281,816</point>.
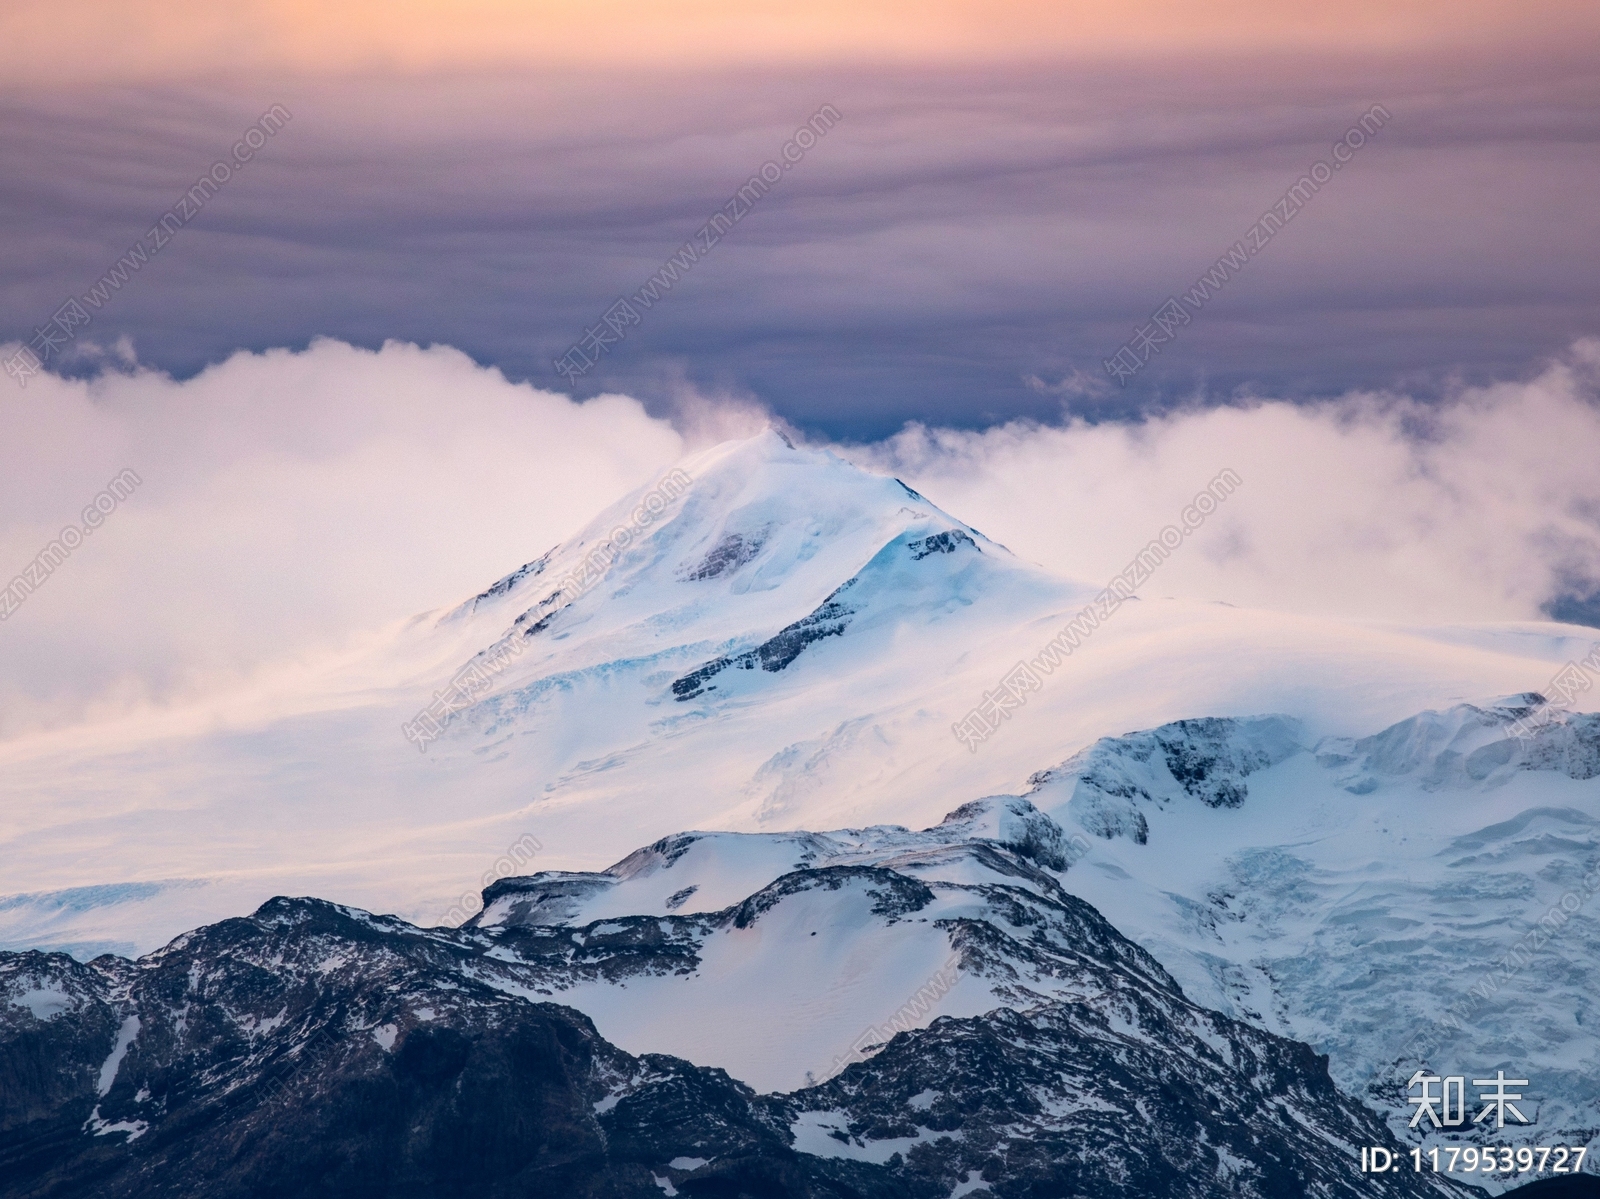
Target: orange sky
<point>67,41</point>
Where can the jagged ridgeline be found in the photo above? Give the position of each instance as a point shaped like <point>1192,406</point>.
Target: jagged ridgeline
<point>313,1049</point>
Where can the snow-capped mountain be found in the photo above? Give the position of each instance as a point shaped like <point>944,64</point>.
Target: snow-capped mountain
<point>761,637</point>
<point>1309,829</point>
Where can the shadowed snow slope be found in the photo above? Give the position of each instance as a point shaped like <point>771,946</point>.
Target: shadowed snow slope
<point>703,943</point>
<point>317,1049</point>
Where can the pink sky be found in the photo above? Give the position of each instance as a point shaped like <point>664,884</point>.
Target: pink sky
<point>110,40</point>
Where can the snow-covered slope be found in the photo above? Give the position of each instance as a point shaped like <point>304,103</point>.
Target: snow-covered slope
<point>1426,895</point>
<point>1423,896</point>
<point>1314,831</point>
<point>703,943</point>
<point>761,638</point>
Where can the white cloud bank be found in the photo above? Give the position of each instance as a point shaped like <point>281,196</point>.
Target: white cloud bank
<point>288,501</point>
<point>1378,507</point>
<point>291,500</point>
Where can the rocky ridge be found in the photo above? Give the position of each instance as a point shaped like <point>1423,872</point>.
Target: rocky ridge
<point>313,1049</point>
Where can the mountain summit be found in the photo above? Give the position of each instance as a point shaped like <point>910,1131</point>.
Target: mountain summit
<point>739,559</point>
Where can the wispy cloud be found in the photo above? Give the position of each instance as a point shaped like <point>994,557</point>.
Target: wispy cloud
<point>962,232</point>
<point>289,500</point>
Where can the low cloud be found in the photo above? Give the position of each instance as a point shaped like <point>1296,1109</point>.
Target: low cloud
<point>288,501</point>
<point>1485,506</point>
<point>291,501</point>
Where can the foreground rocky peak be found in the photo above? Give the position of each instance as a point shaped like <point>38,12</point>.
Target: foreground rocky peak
<point>317,1050</point>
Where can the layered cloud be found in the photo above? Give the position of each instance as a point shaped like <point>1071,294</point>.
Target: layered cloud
<point>290,501</point>
<point>965,245</point>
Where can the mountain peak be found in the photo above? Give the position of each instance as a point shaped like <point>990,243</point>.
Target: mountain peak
<point>741,555</point>
<point>713,514</point>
